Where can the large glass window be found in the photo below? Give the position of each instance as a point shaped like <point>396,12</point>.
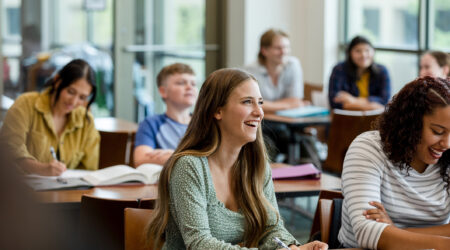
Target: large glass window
<point>169,31</point>
<point>400,30</point>
<point>39,37</point>
<point>440,25</point>
<point>11,45</point>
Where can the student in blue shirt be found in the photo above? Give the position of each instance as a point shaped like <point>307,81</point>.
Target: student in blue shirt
<point>158,135</point>
<point>359,83</point>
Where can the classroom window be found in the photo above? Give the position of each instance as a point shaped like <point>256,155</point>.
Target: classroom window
<point>440,25</point>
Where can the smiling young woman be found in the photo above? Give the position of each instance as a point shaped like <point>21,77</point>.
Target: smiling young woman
<point>216,191</point>
<point>396,179</point>
<point>435,64</point>
<point>57,118</point>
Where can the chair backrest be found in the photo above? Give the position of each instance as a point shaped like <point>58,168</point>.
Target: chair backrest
<point>309,88</point>
<point>147,203</point>
<point>131,148</point>
<point>136,220</point>
<point>324,216</point>
<point>101,222</point>
<point>330,220</point>
<point>115,148</point>
<point>345,127</point>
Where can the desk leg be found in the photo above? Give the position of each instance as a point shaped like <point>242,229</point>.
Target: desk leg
<point>293,153</point>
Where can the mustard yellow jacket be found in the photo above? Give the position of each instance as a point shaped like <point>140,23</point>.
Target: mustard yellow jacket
<point>28,132</point>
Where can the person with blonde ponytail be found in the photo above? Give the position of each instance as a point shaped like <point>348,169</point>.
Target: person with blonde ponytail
<point>216,190</point>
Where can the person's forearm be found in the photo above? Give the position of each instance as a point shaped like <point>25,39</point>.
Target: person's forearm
<point>31,166</point>
<point>395,238</point>
<point>362,104</point>
<point>441,230</point>
<point>147,159</point>
<point>142,158</point>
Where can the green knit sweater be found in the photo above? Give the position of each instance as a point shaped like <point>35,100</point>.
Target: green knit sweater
<point>198,220</point>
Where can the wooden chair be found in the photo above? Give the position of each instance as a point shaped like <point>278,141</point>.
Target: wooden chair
<point>147,203</point>
<point>136,220</point>
<point>345,127</point>
<point>101,222</point>
<point>131,148</point>
<point>115,148</point>
<point>327,219</point>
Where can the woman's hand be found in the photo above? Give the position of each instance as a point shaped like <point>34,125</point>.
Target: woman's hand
<point>378,214</point>
<point>315,245</point>
<point>344,98</point>
<point>54,168</point>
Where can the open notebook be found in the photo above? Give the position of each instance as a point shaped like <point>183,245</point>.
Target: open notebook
<point>79,179</point>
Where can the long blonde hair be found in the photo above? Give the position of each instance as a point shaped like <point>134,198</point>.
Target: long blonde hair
<point>202,138</point>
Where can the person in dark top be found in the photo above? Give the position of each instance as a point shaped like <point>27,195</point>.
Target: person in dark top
<point>359,83</point>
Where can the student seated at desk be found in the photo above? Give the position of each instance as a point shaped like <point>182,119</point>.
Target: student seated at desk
<point>359,83</point>
<point>216,192</point>
<point>395,180</point>
<point>58,119</point>
<point>280,79</point>
<point>158,135</point>
<point>435,64</point>
<point>279,75</point>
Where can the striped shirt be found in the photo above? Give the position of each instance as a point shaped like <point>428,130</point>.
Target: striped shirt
<point>411,199</point>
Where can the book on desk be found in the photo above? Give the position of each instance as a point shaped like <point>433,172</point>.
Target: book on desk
<point>304,171</point>
<point>305,111</point>
<point>83,179</point>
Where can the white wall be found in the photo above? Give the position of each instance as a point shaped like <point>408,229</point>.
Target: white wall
<point>311,24</point>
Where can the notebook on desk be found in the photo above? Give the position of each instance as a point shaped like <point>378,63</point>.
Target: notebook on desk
<point>83,179</point>
<point>306,111</point>
<point>304,171</point>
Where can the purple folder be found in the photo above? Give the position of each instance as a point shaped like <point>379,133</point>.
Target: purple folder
<point>304,171</point>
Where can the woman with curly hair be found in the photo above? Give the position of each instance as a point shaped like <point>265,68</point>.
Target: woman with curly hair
<point>395,179</point>
<point>216,190</point>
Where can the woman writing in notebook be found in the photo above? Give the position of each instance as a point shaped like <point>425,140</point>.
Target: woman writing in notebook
<point>216,191</point>
<point>396,179</point>
<point>359,83</point>
<point>51,131</point>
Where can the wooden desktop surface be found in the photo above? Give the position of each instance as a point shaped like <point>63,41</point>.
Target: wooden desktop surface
<point>112,124</point>
<point>283,188</point>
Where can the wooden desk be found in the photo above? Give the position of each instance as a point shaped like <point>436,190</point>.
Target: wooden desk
<point>296,188</point>
<point>132,191</point>
<point>117,139</point>
<point>283,188</point>
<point>112,124</point>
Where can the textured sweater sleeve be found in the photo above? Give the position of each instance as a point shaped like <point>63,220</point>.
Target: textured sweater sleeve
<point>188,197</point>
<point>276,225</point>
<point>16,127</point>
<point>361,181</point>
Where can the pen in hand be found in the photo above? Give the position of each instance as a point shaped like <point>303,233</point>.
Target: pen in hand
<point>280,243</point>
<point>59,178</point>
<point>52,151</point>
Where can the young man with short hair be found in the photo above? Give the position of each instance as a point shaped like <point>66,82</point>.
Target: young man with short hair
<point>159,135</point>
